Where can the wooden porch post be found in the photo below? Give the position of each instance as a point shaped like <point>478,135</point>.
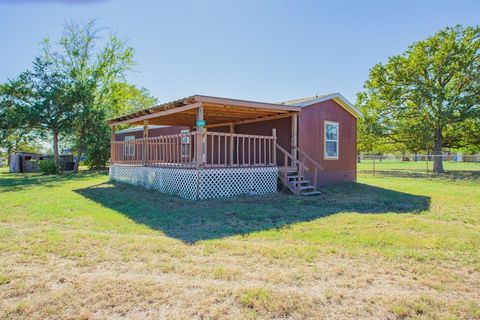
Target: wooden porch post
<point>294,135</point>
<point>145,142</point>
<point>112,145</point>
<point>274,147</point>
<point>200,140</point>
<point>232,131</point>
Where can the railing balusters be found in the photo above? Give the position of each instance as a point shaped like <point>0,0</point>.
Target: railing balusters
<point>218,149</point>
<point>177,150</point>
<point>238,141</point>
<point>212,138</point>
<point>226,148</point>
<point>243,150</point>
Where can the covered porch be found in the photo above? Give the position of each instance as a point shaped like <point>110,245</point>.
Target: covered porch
<point>229,147</point>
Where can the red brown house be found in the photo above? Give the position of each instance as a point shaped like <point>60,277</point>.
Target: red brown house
<point>205,147</point>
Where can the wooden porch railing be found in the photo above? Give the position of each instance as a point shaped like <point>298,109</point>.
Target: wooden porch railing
<point>176,150</point>
<point>289,161</point>
<point>127,152</point>
<point>239,150</point>
<point>305,158</point>
<point>180,150</point>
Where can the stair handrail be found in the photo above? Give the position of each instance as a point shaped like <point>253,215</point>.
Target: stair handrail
<point>295,161</point>
<point>317,165</point>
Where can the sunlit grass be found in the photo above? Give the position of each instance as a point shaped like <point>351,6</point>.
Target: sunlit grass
<point>73,245</point>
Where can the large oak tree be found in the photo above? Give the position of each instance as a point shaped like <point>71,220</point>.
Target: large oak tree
<point>422,98</point>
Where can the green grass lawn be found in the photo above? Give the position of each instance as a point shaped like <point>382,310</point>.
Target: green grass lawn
<point>396,167</point>
<point>80,247</point>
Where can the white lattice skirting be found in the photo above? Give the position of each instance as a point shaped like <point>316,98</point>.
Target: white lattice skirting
<point>212,183</point>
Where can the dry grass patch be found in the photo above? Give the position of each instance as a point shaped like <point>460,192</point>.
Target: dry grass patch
<point>266,303</point>
<point>424,307</point>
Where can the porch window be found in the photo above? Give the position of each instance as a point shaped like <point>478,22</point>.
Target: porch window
<point>129,145</point>
<point>331,140</point>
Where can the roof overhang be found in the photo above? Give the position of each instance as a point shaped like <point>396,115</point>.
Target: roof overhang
<point>216,111</point>
<point>138,128</point>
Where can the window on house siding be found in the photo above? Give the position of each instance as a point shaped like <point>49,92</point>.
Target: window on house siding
<point>185,143</point>
<point>129,145</point>
<point>331,140</point>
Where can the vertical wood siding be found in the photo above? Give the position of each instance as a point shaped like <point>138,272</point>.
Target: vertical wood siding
<point>311,140</point>
<point>264,128</point>
<point>284,132</point>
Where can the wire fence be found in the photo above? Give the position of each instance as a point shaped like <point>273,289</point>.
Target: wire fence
<point>417,165</point>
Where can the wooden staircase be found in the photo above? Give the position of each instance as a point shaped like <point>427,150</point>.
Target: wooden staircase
<point>292,174</point>
<point>297,184</point>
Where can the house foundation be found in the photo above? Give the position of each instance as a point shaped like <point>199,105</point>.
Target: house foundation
<point>201,183</point>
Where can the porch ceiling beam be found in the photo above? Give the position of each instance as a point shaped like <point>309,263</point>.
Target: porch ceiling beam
<point>275,117</point>
<point>190,117</point>
<point>159,114</point>
<point>235,108</point>
<point>236,112</point>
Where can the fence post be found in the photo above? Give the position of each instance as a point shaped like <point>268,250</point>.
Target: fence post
<point>374,165</point>
<point>427,164</point>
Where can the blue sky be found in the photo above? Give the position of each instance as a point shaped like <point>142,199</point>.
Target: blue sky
<point>268,50</point>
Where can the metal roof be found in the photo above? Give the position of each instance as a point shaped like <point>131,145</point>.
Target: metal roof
<point>301,100</point>
<point>184,103</point>
<point>337,97</point>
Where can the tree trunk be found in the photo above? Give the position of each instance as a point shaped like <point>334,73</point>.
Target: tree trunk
<point>77,163</point>
<point>55,147</point>
<point>437,152</point>
<point>9,154</point>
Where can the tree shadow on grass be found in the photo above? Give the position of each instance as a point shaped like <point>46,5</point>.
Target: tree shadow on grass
<point>192,221</point>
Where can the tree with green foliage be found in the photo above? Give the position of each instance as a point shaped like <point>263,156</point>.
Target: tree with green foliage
<point>72,89</point>
<point>93,69</point>
<point>15,131</point>
<point>50,107</point>
<point>421,99</point>
<point>38,101</point>
<point>471,135</point>
<point>123,98</point>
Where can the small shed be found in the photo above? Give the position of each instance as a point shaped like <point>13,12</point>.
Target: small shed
<point>24,162</point>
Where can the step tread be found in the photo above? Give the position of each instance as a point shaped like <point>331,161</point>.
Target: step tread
<point>306,187</point>
<point>295,177</point>
<point>311,193</point>
<point>301,181</point>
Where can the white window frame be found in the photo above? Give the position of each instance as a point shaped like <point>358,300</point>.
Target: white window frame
<point>325,156</point>
<point>129,149</point>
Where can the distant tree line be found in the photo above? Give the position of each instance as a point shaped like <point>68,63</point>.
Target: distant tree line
<point>426,99</point>
<point>72,88</point>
